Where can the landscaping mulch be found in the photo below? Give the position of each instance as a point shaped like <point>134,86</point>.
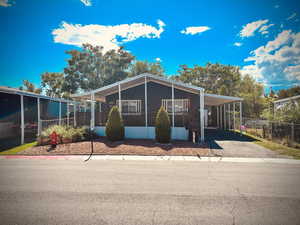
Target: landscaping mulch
<point>127,147</point>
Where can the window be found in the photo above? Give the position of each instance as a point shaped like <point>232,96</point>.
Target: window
<point>180,105</point>
<point>130,107</point>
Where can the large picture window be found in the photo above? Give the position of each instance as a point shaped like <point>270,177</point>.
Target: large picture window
<point>130,107</point>
<point>180,105</point>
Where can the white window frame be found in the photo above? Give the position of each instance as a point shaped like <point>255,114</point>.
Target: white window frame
<point>184,102</point>
<point>136,103</point>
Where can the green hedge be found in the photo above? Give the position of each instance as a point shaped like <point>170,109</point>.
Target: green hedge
<point>114,126</point>
<point>162,126</point>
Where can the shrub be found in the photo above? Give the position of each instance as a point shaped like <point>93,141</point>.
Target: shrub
<point>114,126</point>
<point>162,126</point>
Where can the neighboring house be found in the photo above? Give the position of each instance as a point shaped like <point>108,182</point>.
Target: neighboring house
<point>282,102</point>
<point>20,116</point>
<point>139,98</point>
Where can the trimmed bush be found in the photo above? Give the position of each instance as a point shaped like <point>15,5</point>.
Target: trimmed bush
<point>114,127</point>
<point>162,126</point>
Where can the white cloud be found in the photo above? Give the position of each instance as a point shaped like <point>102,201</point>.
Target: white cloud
<point>158,59</point>
<point>110,37</point>
<point>291,16</point>
<point>238,44</point>
<point>5,3</point>
<point>277,62</point>
<point>264,29</point>
<point>86,2</point>
<point>276,6</point>
<point>195,30</point>
<point>250,28</point>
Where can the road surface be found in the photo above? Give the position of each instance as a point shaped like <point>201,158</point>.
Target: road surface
<point>148,192</point>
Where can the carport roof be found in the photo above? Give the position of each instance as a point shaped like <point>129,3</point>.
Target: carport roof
<point>100,93</point>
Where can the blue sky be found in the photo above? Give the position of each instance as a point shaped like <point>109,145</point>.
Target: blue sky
<point>263,39</point>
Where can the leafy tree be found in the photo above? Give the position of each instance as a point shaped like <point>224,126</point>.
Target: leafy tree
<point>30,87</point>
<point>52,84</point>
<point>288,113</point>
<point>290,92</point>
<point>140,67</point>
<point>114,126</point>
<point>90,68</point>
<point>162,126</point>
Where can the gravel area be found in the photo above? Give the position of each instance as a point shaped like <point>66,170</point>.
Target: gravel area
<point>126,147</point>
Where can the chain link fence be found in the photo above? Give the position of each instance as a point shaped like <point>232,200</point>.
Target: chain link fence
<point>280,132</point>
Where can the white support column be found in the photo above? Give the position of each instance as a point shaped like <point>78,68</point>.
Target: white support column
<point>85,106</point>
<point>22,119</point>
<point>59,113</point>
<point>146,103</point>
<point>241,116</point>
<point>173,107</point>
<point>92,111</point>
<point>225,117</point>
<point>221,120</point>
<point>218,122</point>
<point>202,115</point>
<point>120,104</point>
<point>234,116</point>
<point>74,114</point>
<point>39,116</point>
<point>68,114</point>
<point>229,121</point>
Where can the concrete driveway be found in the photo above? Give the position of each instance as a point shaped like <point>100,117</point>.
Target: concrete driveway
<point>229,144</point>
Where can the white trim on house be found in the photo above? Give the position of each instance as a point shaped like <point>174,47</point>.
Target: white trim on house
<point>177,133</point>
<point>287,99</point>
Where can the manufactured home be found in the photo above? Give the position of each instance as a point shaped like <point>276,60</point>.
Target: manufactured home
<point>139,98</point>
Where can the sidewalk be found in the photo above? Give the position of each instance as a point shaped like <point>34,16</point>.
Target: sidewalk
<point>157,158</point>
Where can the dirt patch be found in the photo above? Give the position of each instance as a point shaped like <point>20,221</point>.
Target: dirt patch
<point>126,147</point>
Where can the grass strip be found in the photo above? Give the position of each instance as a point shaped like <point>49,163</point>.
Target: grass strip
<point>17,149</point>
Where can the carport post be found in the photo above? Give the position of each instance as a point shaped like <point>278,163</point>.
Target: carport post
<point>120,104</point>
<point>173,111</point>
<point>202,114</point>
<point>68,112</point>
<point>146,103</point>
<point>22,119</point>
<point>229,122</point>
<point>39,116</point>
<point>59,113</point>
<point>241,117</point>
<point>234,116</point>
<point>92,111</point>
<point>74,106</point>
<point>218,122</point>
<point>225,117</point>
<point>221,121</point>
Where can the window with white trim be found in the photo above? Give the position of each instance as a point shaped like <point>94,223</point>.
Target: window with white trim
<point>180,105</point>
<point>130,107</point>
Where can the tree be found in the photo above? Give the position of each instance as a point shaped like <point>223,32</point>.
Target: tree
<point>30,87</point>
<point>140,67</point>
<point>253,94</point>
<point>90,68</point>
<point>162,126</point>
<point>114,127</point>
<point>288,113</point>
<point>52,84</point>
<point>290,92</point>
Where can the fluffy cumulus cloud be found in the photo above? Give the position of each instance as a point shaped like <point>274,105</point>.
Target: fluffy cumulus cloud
<point>5,3</point>
<point>277,62</point>
<point>86,2</point>
<point>249,29</point>
<point>110,37</point>
<point>195,30</point>
<point>158,59</point>
<point>237,44</point>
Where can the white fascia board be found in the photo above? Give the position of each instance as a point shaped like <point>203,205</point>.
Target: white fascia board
<point>135,78</point>
<point>287,99</point>
<point>224,97</point>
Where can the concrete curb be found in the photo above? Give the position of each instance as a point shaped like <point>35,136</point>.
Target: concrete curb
<point>155,158</point>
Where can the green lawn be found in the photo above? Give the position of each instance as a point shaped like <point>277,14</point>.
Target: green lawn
<point>17,149</point>
<point>281,149</point>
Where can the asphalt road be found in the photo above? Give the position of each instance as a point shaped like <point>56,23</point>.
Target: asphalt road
<point>148,192</point>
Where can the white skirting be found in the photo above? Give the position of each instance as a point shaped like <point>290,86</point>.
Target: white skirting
<point>178,133</point>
